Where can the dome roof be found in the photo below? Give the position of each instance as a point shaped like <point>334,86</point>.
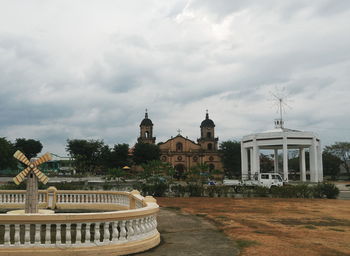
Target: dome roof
<point>146,121</point>
<point>207,122</point>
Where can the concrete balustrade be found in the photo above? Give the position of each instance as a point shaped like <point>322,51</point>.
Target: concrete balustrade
<point>132,228</point>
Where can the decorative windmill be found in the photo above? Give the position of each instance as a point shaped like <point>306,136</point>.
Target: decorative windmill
<point>33,174</point>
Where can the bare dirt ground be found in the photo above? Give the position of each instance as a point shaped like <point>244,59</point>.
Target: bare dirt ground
<point>283,227</point>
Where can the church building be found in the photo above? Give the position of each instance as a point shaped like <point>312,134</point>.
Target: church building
<point>183,153</point>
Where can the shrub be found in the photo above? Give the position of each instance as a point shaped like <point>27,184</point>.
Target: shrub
<point>261,191</point>
<point>157,189</point>
<point>195,189</point>
<point>178,190</point>
<point>328,190</point>
<point>210,190</point>
<point>303,191</point>
<point>221,190</point>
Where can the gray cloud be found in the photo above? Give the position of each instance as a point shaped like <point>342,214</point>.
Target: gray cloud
<point>68,72</point>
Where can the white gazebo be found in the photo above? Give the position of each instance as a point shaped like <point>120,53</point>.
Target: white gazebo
<point>283,139</point>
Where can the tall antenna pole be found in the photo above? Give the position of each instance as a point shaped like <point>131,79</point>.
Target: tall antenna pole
<point>281,104</point>
<point>280,101</point>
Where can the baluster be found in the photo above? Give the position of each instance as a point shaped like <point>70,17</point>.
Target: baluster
<point>122,231</point>
<point>148,222</point>
<point>106,232</point>
<point>68,233</point>
<point>143,226</point>
<point>93,198</point>
<point>48,234</point>
<point>7,234</point>
<point>16,237</point>
<point>131,231</point>
<point>154,222</point>
<point>136,228</point>
<point>27,234</point>
<point>58,234</point>
<point>15,198</point>
<point>37,234</point>
<point>78,234</point>
<point>87,233</point>
<point>97,233</point>
<point>115,232</point>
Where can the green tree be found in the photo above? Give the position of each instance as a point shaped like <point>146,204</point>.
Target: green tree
<point>86,154</point>
<point>6,154</point>
<point>230,152</point>
<point>199,173</point>
<point>331,165</point>
<point>266,163</point>
<point>116,174</point>
<point>120,155</point>
<point>342,151</point>
<point>157,168</point>
<point>144,152</point>
<point>29,147</point>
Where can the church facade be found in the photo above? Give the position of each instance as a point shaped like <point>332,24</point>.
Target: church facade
<point>183,153</point>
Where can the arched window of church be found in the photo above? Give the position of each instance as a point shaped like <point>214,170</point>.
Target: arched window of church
<point>179,146</point>
<point>210,146</point>
<point>147,134</point>
<point>208,134</point>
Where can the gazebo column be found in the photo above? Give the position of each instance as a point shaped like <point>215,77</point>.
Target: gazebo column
<point>256,161</point>
<point>244,160</point>
<point>276,160</point>
<point>251,162</point>
<point>313,161</point>
<point>285,159</point>
<point>320,162</point>
<point>302,165</point>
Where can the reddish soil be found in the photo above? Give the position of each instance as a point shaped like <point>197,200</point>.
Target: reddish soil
<point>270,226</point>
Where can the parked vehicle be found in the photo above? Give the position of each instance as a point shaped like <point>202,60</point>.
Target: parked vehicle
<point>262,179</point>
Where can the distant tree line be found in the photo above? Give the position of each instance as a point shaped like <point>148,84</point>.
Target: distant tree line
<point>29,147</point>
<point>95,157</point>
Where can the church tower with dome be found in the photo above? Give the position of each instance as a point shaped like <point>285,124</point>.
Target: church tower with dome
<point>207,141</point>
<point>146,131</point>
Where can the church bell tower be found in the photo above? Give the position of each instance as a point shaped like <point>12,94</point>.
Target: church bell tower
<point>207,140</point>
<point>146,131</point>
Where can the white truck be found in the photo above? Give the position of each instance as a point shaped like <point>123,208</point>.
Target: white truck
<point>267,180</point>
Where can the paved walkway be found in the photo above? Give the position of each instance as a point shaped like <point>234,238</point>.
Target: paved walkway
<point>187,235</point>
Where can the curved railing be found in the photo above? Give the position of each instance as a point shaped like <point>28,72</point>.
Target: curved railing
<point>128,226</point>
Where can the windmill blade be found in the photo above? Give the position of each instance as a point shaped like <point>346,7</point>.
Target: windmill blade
<point>21,157</point>
<point>41,176</point>
<point>20,177</point>
<point>43,159</point>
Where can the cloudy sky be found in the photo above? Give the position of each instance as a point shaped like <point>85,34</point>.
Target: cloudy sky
<point>88,69</point>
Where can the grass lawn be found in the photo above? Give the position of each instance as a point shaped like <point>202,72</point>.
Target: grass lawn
<point>271,226</point>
